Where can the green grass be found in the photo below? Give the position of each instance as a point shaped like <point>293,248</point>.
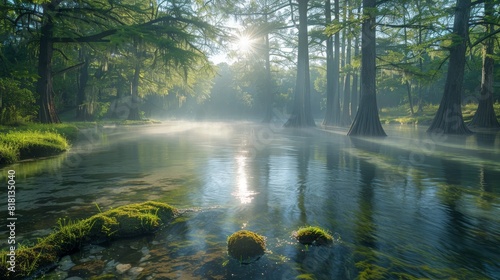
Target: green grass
<point>22,140</point>
<point>17,145</point>
<point>68,236</point>
<point>402,115</point>
<point>68,130</point>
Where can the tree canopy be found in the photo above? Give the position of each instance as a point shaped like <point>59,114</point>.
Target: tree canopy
<point>295,60</point>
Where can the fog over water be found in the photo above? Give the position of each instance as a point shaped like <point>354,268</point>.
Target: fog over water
<point>411,204</point>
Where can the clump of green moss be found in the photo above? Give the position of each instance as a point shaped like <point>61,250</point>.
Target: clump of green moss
<point>246,246</point>
<point>125,221</point>
<point>311,235</point>
<point>17,145</point>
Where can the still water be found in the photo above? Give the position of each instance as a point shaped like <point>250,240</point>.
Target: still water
<point>411,205</point>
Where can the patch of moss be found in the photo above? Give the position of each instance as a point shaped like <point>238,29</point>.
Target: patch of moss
<point>125,221</point>
<point>246,246</point>
<point>17,145</point>
<point>131,220</point>
<point>313,236</point>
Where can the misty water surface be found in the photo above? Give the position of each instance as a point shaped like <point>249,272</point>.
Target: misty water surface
<point>411,204</point>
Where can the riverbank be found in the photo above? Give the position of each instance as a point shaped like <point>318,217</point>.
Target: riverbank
<point>403,115</point>
<point>34,140</point>
<point>126,221</point>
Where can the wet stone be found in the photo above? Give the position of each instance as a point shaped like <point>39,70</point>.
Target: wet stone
<point>66,263</point>
<point>122,268</point>
<point>145,258</point>
<point>145,250</point>
<point>87,269</point>
<point>94,249</point>
<point>110,266</point>
<point>135,271</point>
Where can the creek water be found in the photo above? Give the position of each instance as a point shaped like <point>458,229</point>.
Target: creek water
<point>409,205</point>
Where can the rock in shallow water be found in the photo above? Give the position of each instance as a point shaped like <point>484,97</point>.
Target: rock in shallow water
<point>122,268</point>
<point>87,269</point>
<point>66,263</point>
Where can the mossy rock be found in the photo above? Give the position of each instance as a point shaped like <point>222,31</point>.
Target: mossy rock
<point>313,236</point>
<point>246,246</point>
<point>125,221</point>
<point>131,220</point>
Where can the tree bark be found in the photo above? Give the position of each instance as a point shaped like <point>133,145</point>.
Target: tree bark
<point>301,115</point>
<point>449,119</point>
<point>367,121</point>
<point>355,78</point>
<point>82,102</point>
<point>485,116</point>
<point>134,101</point>
<point>47,109</point>
<point>332,115</point>
<point>268,89</point>
<point>410,98</point>
<point>346,114</point>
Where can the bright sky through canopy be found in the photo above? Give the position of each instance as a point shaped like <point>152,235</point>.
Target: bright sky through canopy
<point>244,43</point>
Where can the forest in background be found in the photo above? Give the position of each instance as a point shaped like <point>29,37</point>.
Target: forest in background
<point>93,60</point>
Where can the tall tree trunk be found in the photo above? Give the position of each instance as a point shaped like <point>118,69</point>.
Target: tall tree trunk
<point>134,101</point>
<point>47,111</point>
<point>367,121</point>
<point>485,115</point>
<point>355,77</point>
<point>82,100</point>
<point>421,68</point>
<point>301,115</point>
<point>410,98</point>
<point>346,115</point>
<point>268,89</point>
<point>449,119</point>
<point>332,116</point>
<point>408,84</point>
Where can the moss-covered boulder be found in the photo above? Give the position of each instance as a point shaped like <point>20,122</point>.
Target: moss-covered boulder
<point>313,236</point>
<point>130,220</point>
<point>125,221</point>
<point>246,246</point>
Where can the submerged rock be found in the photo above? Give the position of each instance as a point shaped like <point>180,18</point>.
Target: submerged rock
<point>122,268</point>
<point>87,269</point>
<point>135,271</point>
<point>66,263</point>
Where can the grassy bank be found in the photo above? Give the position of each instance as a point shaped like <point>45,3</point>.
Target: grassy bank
<point>31,140</point>
<point>125,221</point>
<point>402,115</point>
<point>18,145</point>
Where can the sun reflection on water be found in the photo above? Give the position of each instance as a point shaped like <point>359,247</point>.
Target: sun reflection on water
<point>242,192</point>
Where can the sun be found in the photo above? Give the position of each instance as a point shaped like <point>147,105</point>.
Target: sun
<point>244,43</point>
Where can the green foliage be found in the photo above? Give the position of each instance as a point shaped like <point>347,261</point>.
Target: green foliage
<point>125,221</point>
<point>17,104</point>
